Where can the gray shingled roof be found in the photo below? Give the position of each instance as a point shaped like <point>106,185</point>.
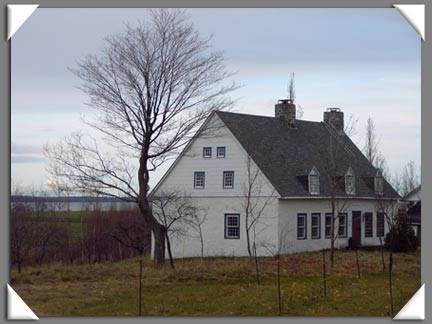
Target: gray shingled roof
<point>286,155</point>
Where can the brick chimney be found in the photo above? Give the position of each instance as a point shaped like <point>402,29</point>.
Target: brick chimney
<point>335,118</point>
<point>286,110</point>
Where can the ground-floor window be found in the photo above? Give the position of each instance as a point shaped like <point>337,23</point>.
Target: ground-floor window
<point>301,226</point>
<point>368,217</point>
<point>342,225</point>
<point>380,224</point>
<point>328,224</point>
<point>232,226</point>
<point>316,225</point>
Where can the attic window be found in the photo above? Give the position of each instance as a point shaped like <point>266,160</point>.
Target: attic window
<point>221,151</point>
<point>379,183</point>
<point>350,182</point>
<point>314,182</point>
<point>207,152</point>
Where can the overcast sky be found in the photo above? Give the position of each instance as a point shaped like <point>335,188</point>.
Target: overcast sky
<point>365,61</point>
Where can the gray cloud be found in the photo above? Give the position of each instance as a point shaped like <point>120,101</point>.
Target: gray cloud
<point>27,159</point>
<point>25,149</point>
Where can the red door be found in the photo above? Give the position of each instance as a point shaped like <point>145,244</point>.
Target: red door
<point>356,228</point>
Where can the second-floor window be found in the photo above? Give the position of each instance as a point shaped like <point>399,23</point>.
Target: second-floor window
<point>220,152</point>
<point>207,152</point>
<point>228,179</point>
<point>199,180</point>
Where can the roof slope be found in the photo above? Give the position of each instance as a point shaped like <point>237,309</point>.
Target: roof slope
<point>286,155</point>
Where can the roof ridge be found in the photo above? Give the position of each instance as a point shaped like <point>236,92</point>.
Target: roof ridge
<point>262,116</point>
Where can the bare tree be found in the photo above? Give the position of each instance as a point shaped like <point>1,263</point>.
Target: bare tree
<point>131,231</point>
<point>409,179</point>
<point>153,86</point>
<point>275,250</point>
<point>196,221</point>
<point>22,233</point>
<point>253,203</point>
<point>173,210</point>
<point>339,196</point>
<point>390,209</point>
<point>371,149</point>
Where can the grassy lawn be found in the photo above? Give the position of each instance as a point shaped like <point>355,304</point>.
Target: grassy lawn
<point>220,287</point>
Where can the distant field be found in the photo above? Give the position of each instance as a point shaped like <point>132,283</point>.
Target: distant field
<point>220,287</point>
<point>64,214</point>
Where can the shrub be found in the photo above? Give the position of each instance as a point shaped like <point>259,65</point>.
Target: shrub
<point>404,238</point>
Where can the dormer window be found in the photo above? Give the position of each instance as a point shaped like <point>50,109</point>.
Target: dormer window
<point>314,182</point>
<point>349,182</point>
<point>379,183</point>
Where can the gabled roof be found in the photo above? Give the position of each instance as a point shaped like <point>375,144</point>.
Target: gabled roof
<point>412,193</point>
<point>286,155</point>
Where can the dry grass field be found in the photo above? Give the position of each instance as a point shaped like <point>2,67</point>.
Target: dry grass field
<point>220,287</point>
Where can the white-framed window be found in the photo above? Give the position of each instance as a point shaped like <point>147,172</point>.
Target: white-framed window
<point>328,225</point>
<point>232,226</point>
<point>368,218</point>
<point>314,182</point>
<point>379,183</point>
<point>207,152</point>
<point>342,225</point>
<point>228,179</point>
<point>199,180</point>
<point>220,152</point>
<point>349,182</point>
<point>301,226</point>
<point>316,225</point>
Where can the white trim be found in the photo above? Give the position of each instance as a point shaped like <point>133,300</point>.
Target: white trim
<point>338,197</point>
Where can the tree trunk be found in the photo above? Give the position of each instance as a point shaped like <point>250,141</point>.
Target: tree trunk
<point>159,248</point>
<point>390,281</point>
<point>202,242</point>
<point>157,229</point>
<point>324,273</point>
<point>382,255</point>
<point>279,285</point>
<point>256,265</point>
<point>358,263</point>
<point>169,250</point>
<point>248,241</point>
<point>390,269</point>
<point>332,237</point>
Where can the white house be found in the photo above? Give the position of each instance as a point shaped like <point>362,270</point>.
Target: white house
<point>293,159</point>
<point>412,202</point>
